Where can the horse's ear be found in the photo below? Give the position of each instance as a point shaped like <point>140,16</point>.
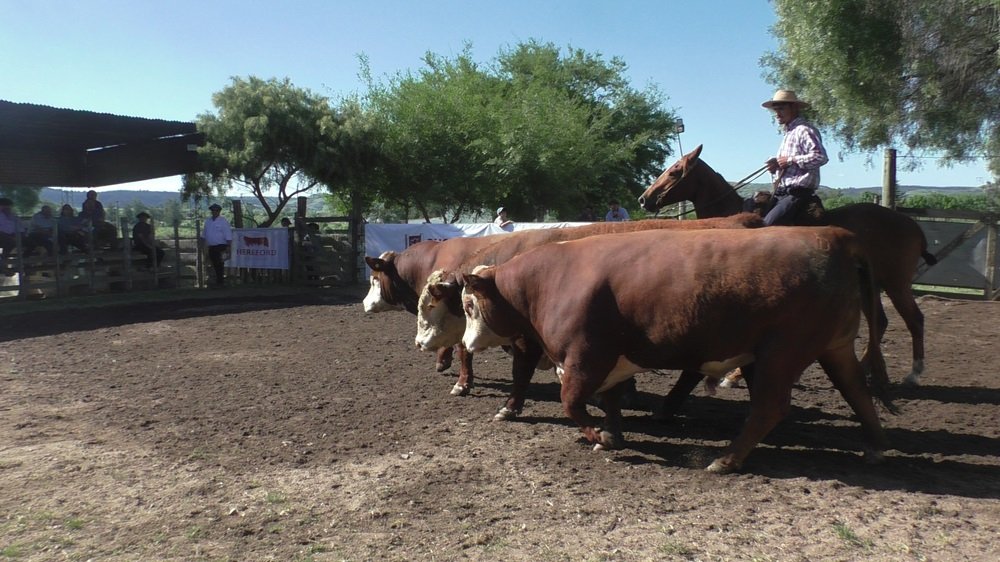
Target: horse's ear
<point>694,154</point>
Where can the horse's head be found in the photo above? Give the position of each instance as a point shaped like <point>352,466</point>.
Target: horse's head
<point>670,187</point>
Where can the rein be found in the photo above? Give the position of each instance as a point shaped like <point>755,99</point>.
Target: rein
<point>737,186</point>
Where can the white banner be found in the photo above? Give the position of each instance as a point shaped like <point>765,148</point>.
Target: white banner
<point>261,248</point>
<point>384,237</point>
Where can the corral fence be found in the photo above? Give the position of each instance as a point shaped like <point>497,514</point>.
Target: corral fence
<point>327,252</point>
<point>322,253</point>
<point>965,243</point>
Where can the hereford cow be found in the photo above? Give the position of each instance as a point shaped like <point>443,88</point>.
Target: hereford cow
<point>606,307</point>
<point>398,277</point>
<point>441,323</point>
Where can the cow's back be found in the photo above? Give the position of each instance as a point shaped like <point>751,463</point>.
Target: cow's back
<point>684,293</point>
<point>511,245</point>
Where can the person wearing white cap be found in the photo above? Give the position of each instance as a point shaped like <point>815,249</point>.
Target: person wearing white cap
<point>217,236</point>
<point>502,221</point>
<point>795,170</point>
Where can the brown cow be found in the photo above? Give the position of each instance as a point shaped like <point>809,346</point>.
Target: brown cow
<point>441,323</point>
<point>398,277</point>
<point>894,242</point>
<point>703,301</point>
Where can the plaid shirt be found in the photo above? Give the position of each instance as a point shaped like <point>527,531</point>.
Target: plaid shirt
<point>804,147</point>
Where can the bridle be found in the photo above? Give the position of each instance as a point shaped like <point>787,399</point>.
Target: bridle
<point>736,187</point>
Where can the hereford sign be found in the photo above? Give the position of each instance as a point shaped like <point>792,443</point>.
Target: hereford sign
<point>261,248</point>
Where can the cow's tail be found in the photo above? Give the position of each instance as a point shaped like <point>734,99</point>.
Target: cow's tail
<point>878,375</point>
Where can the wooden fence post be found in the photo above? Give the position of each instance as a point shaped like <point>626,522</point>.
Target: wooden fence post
<point>889,179</point>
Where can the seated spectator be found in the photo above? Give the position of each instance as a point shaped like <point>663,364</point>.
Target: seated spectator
<point>587,215</point>
<point>40,232</point>
<point>615,212</point>
<point>502,220</point>
<point>72,231</point>
<point>92,210</point>
<point>9,225</point>
<point>143,241</point>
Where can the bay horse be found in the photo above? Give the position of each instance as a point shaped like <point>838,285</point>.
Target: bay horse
<point>894,242</point>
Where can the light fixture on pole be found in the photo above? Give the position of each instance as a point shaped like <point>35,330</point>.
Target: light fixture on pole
<point>678,129</point>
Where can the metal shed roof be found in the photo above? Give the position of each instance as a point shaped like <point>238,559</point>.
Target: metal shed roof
<point>51,147</point>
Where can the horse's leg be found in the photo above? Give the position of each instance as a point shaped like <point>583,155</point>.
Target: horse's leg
<point>902,299</point>
<point>686,383</point>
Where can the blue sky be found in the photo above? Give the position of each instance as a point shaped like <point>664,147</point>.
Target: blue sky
<point>164,60</point>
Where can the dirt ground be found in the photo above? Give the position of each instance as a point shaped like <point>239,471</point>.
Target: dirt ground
<point>301,428</point>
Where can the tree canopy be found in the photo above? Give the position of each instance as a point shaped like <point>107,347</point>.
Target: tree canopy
<point>270,138</point>
<point>923,73</point>
<point>537,130</point>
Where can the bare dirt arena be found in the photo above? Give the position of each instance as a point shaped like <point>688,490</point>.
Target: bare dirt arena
<point>301,428</point>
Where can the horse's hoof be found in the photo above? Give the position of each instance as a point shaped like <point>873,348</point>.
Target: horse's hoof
<point>459,390</point>
<point>443,366</point>
<point>505,414</point>
<point>911,380</point>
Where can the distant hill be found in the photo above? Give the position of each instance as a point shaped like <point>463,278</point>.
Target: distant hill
<point>150,199</point>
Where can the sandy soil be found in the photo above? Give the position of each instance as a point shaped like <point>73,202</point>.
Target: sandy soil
<point>303,429</point>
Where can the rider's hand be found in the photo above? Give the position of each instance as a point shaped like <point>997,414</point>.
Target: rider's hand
<point>772,165</point>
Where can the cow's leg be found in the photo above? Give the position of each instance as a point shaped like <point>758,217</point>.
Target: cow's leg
<point>770,402</point>
<point>443,359</point>
<point>902,299</point>
<point>578,385</point>
<point>525,354</point>
<point>848,377</point>
<point>686,383</point>
<point>611,401</point>
<point>465,376</point>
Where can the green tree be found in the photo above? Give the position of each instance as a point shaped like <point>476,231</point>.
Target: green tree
<point>25,198</point>
<point>264,139</point>
<point>923,73</point>
<point>539,131</point>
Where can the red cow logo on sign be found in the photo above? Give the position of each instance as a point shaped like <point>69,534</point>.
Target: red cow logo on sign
<point>256,241</point>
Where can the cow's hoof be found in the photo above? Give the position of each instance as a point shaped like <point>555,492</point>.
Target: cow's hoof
<point>460,390</point>
<point>608,441</point>
<point>505,414</point>
<point>872,456</point>
<point>723,466</point>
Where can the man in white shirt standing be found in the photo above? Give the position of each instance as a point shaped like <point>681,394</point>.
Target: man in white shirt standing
<point>217,237</point>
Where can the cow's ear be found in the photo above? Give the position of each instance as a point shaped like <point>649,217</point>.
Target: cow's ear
<point>439,290</point>
<point>471,281</point>
<point>376,264</point>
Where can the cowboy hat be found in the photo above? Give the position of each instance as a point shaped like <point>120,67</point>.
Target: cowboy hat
<point>500,210</point>
<point>142,215</point>
<point>784,97</point>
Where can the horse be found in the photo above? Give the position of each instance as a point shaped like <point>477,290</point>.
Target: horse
<point>894,242</point>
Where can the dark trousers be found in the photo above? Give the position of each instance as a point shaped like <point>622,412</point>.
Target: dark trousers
<point>149,254</point>
<point>35,240</point>
<point>215,254</point>
<point>787,207</point>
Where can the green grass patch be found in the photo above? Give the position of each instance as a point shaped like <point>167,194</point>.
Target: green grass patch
<point>848,535</point>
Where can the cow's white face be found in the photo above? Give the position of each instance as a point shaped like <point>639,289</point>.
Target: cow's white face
<point>436,326</point>
<point>478,336</point>
<point>373,300</point>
